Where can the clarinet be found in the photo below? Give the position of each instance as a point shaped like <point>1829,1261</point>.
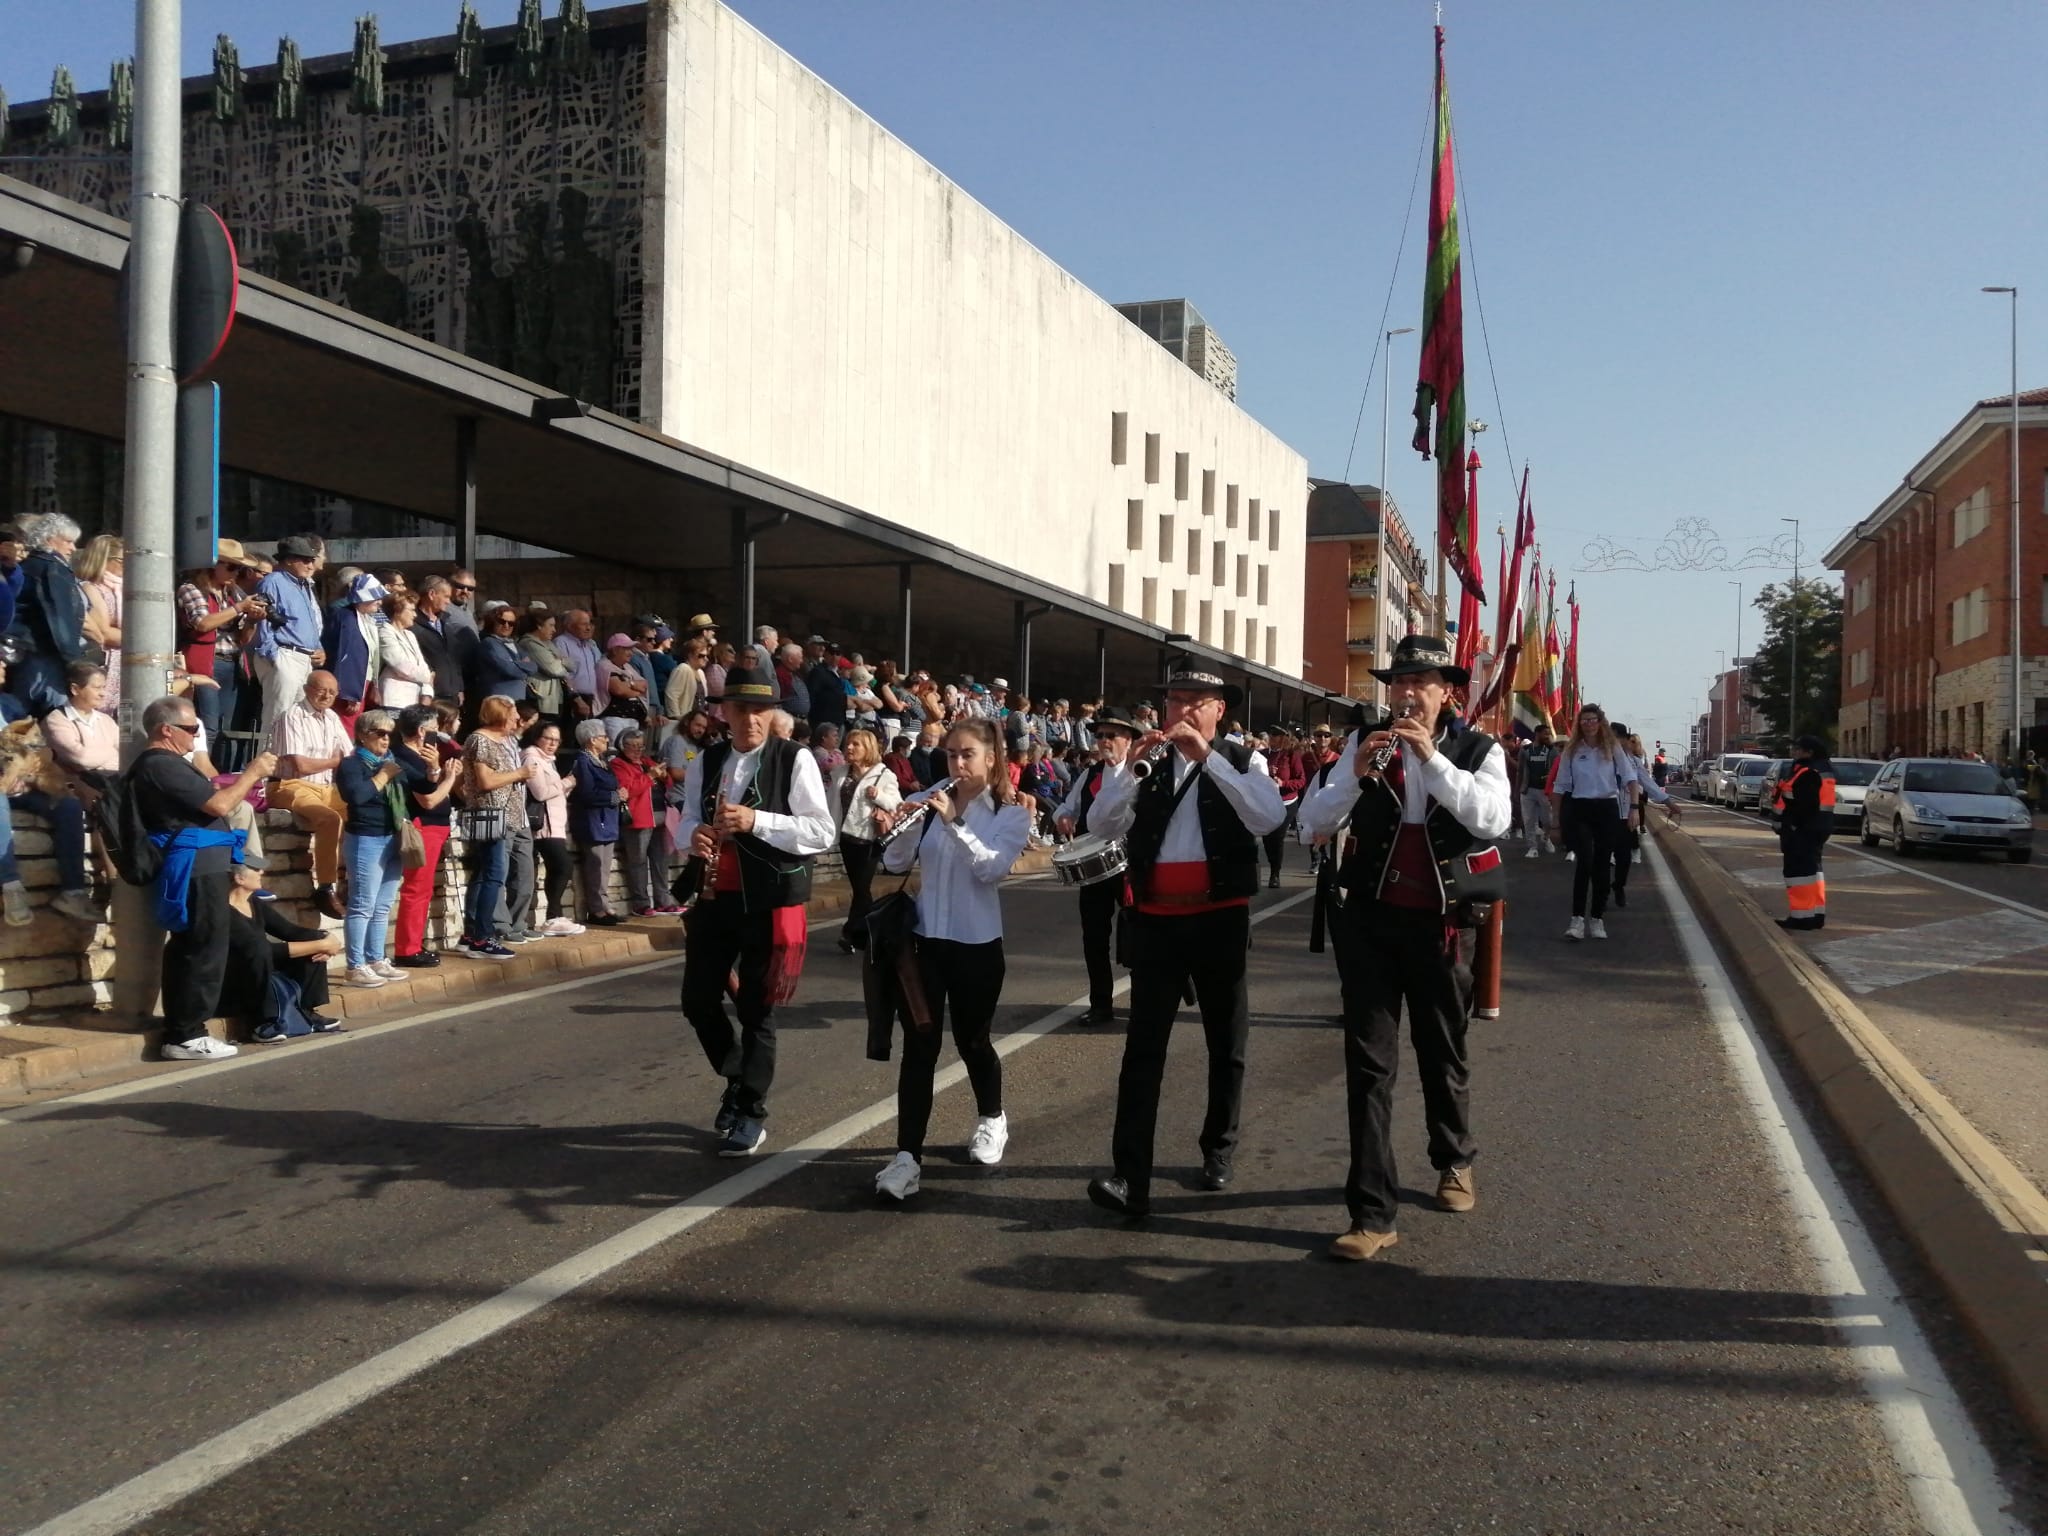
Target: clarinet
<point>1384,755</point>
<point>707,884</point>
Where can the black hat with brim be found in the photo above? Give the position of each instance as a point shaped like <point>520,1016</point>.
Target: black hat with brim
<point>1423,653</point>
<point>1109,720</point>
<point>754,687</point>
<point>1204,682</point>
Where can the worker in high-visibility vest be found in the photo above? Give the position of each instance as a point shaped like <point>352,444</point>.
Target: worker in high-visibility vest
<point>1806,815</point>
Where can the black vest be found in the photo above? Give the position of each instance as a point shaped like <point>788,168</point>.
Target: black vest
<point>768,876</point>
<point>1233,853</point>
<point>1091,783</point>
<point>1376,822</point>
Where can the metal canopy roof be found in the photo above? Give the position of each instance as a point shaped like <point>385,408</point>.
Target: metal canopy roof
<point>320,396</point>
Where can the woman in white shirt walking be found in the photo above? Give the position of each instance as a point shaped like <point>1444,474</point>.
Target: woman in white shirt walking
<point>1594,778</point>
<point>869,788</point>
<point>975,832</point>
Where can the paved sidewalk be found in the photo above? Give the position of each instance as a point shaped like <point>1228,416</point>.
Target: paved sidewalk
<point>1953,978</point>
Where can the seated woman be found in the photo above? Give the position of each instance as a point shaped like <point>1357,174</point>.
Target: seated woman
<point>84,747</point>
<point>263,941</point>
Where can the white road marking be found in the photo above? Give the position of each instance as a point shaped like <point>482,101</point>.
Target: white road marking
<point>1949,1475</point>
<point>1896,956</point>
<point>207,1463</point>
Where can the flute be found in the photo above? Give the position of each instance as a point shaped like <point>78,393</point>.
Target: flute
<point>1384,755</point>
<point>707,886</point>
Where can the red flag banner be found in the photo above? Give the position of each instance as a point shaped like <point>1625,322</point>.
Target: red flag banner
<point>1509,643</point>
<point>1571,656</point>
<point>1440,385</point>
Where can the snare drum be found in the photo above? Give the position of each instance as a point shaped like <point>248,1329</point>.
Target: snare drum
<point>1089,860</point>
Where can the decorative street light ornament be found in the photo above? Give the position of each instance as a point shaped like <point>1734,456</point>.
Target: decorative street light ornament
<point>120,104</point>
<point>63,108</point>
<point>291,83</point>
<point>527,49</point>
<point>366,71</point>
<point>227,79</point>
<point>572,38</point>
<point>469,52</point>
<point>1691,545</point>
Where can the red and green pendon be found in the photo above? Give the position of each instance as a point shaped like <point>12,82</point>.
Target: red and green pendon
<point>1440,386</point>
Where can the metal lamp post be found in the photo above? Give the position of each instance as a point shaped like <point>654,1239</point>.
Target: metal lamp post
<point>2013,521</point>
<point>1792,679</point>
<point>1379,559</point>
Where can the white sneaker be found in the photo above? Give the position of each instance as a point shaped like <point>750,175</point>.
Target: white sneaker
<point>363,976</point>
<point>14,898</point>
<point>1595,928</point>
<point>561,928</point>
<point>77,905</point>
<point>1531,853</point>
<point>900,1180</point>
<point>1570,857</point>
<point>205,1048</point>
<point>1575,929</point>
<point>991,1135</point>
<point>387,970</point>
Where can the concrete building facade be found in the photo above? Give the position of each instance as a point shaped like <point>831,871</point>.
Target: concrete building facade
<point>1926,596</point>
<point>676,220</point>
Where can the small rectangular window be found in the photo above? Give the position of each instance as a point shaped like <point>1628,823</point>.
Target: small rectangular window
<point>1273,528</point>
<point>1272,645</point>
<point>1244,575</point>
<point>1180,477</point>
<point>1166,538</point>
<point>1264,590</point>
<point>1134,524</point>
<point>1220,558</point>
<point>1209,493</point>
<point>1229,640</point>
<point>1205,631</point>
<point>1180,611</point>
<point>1230,506</point>
<point>1149,612</point>
<point>1116,584</point>
<point>1151,458</point>
<point>1119,436</point>
<point>1194,551</point>
<point>1252,521</point>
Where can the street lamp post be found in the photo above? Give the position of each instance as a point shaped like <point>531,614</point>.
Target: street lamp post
<point>1792,670</point>
<point>2013,521</point>
<point>1379,560</point>
<point>1738,637</point>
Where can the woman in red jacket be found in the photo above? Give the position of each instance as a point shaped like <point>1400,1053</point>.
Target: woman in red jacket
<point>1290,771</point>
<point>639,848</point>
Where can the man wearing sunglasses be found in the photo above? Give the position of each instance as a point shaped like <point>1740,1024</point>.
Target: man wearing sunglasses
<point>186,815</point>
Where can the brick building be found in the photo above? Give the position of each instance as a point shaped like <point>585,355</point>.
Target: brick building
<point>1926,627</point>
<point>1345,628</point>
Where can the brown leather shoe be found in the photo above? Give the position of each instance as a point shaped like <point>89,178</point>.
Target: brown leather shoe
<point>1455,1191</point>
<point>329,903</point>
<point>1358,1244</point>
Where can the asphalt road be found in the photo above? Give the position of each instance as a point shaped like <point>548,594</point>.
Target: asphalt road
<point>1628,1335</point>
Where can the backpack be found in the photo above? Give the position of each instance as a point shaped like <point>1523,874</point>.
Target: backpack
<point>289,1009</point>
<point>118,819</point>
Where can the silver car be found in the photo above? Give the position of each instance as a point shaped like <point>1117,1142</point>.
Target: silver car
<point>1938,802</point>
<point>1745,786</point>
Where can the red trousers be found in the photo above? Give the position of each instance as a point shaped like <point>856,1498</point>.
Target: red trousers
<point>416,892</point>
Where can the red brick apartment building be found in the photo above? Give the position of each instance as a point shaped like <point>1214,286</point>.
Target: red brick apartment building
<point>1926,587</point>
<point>1345,628</point>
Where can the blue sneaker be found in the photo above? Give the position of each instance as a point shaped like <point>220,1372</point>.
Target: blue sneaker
<point>728,1117</point>
<point>744,1139</point>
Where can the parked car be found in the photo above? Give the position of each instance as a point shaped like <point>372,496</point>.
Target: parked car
<point>1745,784</point>
<point>1767,792</point>
<point>1852,781</point>
<point>1714,785</point>
<point>1938,802</point>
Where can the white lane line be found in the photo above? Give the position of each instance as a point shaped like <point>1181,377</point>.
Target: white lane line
<point>1949,1475</point>
<point>1850,846</point>
<point>207,1463</point>
<point>1892,958</point>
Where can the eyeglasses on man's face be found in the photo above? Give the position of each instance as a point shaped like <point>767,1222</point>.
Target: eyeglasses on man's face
<point>462,586</point>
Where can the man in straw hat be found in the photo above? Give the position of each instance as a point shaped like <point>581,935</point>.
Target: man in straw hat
<point>1422,806</point>
<point>754,810</point>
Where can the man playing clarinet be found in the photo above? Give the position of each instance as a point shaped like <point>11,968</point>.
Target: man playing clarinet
<point>1099,900</point>
<point>754,811</point>
<point>1423,806</point>
<point>1191,820</point>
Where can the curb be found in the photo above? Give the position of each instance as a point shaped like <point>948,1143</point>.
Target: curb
<point>1979,1224</point>
<point>46,1057</point>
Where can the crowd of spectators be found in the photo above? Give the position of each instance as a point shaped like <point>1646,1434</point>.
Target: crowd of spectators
<point>396,721</point>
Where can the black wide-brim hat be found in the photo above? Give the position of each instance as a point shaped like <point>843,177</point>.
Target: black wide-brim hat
<point>1110,720</point>
<point>1423,653</point>
<point>1204,682</point>
<point>753,686</point>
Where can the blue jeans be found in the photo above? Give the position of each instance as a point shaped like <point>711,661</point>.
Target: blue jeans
<point>374,869</point>
<point>486,883</point>
<point>67,832</point>
<point>216,706</point>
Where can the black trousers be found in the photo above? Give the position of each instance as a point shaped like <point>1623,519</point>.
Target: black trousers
<point>720,938</point>
<point>862,856</point>
<point>558,863</point>
<point>1099,903</point>
<point>964,981</point>
<point>1166,953</point>
<point>1388,957</point>
<point>1590,830</point>
<point>1626,842</point>
<point>196,961</point>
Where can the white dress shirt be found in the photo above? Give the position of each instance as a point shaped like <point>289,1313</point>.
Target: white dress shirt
<point>1071,806</point>
<point>1649,785</point>
<point>806,828</point>
<point>1587,773</point>
<point>1479,800</point>
<point>1252,794</point>
<point>964,863</point>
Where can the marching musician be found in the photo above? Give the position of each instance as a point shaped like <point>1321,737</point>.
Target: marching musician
<point>1191,828</point>
<point>976,830</point>
<point>1421,829</point>
<point>1101,898</point>
<point>753,806</point>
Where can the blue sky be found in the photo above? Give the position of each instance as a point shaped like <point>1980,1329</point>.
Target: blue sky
<point>1729,254</point>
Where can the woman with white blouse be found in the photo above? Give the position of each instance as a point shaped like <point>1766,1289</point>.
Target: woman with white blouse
<point>1589,789</point>
<point>975,832</point>
<point>403,676</point>
<point>869,788</point>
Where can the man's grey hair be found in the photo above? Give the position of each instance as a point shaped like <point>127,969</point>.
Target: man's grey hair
<point>39,530</point>
<point>168,710</point>
<point>781,723</point>
<point>791,651</point>
<point>766,633</point>
<point>433,584</point>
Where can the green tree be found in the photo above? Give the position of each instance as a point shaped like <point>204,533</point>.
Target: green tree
<point>1813,611</point>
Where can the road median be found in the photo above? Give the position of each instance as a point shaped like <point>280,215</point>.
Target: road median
<point>1976,1219</point>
